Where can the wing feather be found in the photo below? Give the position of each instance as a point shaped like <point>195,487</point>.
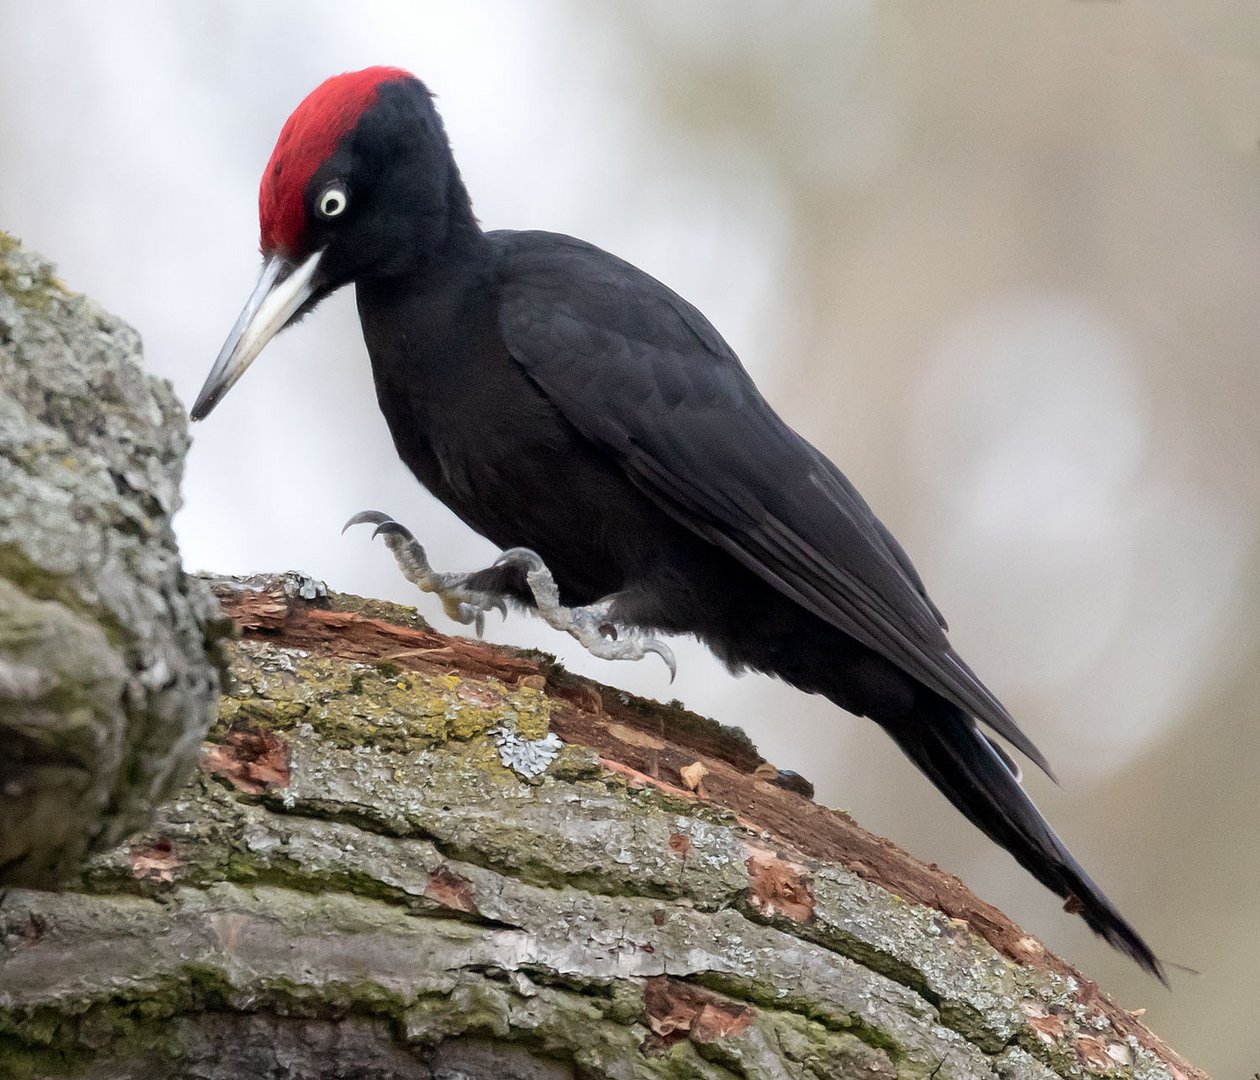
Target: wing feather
<point>640,371</point>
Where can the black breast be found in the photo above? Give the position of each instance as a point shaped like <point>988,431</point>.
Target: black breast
<point>481,436</point>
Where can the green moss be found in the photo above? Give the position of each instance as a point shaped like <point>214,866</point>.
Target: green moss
<point>972,1025</point>
<point>47,1042</point>
<point>564,1024</point>
<point>846,944</point>
<point>352,706</point>
<point>388,669</point>
<point>62,1041</point>
<point>547,662</point>
<point>281,872</point>
<point>680,724</point>
<point>34,292</point>
<point>39,584</point>
<point>769,996</point>
<point>380,705</point>
<point>21,1061</point>
<point>576,763</point>
<point>398,614</point>
<point>825,1052</point>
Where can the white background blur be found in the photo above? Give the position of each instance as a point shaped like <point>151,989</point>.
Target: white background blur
<point>999,261</point>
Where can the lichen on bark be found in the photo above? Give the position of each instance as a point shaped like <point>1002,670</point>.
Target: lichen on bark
<point>354,868</point>
<point>108,669</point>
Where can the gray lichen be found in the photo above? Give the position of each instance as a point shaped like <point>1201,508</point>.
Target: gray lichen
<point>384,871</point>
<point>108,677</point>
<point>402,899</point>
<point>526,757</point>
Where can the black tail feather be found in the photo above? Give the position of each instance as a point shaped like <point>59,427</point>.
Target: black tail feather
<point>951,751</point>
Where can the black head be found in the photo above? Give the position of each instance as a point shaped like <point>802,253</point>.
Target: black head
<point>361,184</point>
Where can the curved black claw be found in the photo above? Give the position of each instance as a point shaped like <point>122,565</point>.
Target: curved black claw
<point>393,528</point>
<point>366,517</point>
<point>665,653</point>
<point>524,558</point>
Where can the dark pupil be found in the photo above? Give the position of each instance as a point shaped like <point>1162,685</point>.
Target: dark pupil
<point>332,204</point>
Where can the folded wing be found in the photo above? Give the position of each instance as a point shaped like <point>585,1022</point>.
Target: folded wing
<point>642,373</point>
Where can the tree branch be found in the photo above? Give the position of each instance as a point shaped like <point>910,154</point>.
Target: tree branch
<point>355,881</point>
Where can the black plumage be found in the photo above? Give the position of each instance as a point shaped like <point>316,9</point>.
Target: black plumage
<point>559,399</point>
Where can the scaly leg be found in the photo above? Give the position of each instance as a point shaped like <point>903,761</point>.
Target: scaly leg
<point>460,603</point>
<point>590,625</point>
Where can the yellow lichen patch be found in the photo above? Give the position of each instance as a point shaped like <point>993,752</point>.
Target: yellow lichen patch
<point>364,704</point>
<point>481,704</point>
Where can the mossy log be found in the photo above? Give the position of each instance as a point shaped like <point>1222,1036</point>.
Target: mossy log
<point>354,885</point>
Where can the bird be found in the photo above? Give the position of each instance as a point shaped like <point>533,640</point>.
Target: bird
<point>593,425</point>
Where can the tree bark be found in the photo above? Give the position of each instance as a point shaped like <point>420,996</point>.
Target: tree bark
<point>108,665</point>
<point>355,885</point>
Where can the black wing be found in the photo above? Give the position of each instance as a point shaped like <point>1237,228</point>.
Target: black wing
<point>641,372</point>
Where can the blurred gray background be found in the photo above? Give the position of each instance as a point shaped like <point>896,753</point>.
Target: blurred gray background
<point>999,261</point>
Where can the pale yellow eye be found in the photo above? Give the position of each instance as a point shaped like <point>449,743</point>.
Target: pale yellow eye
<point>333,200</point>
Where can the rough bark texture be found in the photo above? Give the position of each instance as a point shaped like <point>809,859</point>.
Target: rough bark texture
<point>107,675</point>
<point>355,886</point>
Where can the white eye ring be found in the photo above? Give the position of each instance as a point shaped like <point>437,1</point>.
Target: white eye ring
<point>333,200</point>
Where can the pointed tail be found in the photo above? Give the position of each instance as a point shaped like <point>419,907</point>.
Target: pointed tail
<point>951,751</point>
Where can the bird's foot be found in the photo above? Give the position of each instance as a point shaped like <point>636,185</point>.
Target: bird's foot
<point>464,605</point>
<point>589,625</point>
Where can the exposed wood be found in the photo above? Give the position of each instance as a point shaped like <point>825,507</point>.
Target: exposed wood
<point>354,870</point>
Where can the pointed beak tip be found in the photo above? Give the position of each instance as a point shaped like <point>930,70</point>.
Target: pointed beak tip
<point>205,402</point>
<point>281,291</point>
